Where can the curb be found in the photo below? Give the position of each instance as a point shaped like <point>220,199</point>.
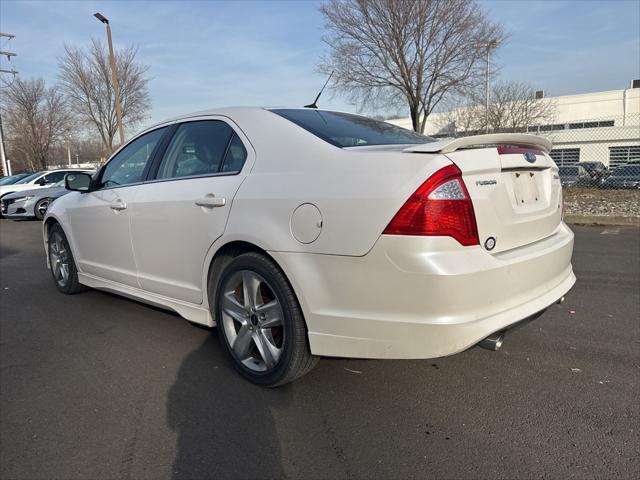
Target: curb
<point>602,220</point>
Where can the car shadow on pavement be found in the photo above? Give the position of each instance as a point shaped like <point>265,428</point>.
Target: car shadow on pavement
<point>224,423</point>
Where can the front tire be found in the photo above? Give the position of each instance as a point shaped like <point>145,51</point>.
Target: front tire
<point>63,266</point>
<point>41,207</point>
<point>260,322</point>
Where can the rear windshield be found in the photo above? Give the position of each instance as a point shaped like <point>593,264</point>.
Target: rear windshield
<point>346,130</point>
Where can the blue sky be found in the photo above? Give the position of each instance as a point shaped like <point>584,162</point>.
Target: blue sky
<point>212,53</point>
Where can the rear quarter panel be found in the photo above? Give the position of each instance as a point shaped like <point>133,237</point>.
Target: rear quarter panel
<point>358,191</point>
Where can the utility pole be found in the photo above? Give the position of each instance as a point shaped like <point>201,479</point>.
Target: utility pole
<point>114,75</point>
<point>6,165</point>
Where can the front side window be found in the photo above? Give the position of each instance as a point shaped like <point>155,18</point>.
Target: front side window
<point>347,130</point>
<point>128,165</point>
<point>199,148</point>
<point>54,177</point>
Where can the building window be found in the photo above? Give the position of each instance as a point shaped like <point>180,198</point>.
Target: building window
<point>621,155</point>
<point>557,126</point>
<point>603,123</point>
<point>565,156</point>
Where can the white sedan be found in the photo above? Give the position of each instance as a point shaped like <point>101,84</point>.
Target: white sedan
<point>45,178</point>
<point>303,233</point>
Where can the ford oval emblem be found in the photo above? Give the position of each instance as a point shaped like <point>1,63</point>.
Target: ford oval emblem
<point>529,157</point>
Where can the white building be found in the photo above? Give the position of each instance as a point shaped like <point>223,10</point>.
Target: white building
<point>602,126</point>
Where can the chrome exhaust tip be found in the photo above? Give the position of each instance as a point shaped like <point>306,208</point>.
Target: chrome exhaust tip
<point>560,300</point>
<point>492,342</point>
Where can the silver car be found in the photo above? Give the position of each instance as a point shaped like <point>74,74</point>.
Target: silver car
<point>32,203</point>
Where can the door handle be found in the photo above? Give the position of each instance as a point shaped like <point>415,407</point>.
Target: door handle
<point>118,205</point>
<point>211,201</point>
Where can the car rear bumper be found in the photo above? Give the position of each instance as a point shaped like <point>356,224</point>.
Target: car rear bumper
<point>424,297</point>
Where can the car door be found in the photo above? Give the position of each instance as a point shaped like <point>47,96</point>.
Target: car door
<point>100,218</point>
<point>183,209</point>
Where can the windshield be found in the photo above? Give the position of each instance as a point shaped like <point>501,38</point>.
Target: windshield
<point>13,179</point>
<point>29,178</point>
<point>626,171</point>
<point>347,130</point>
<point>568,171</point>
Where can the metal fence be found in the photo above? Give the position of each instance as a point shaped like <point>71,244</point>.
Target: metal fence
<point>597,153</point>
<point>600,153</point>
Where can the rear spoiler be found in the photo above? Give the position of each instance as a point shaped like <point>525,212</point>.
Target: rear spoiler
<point>449,145</point>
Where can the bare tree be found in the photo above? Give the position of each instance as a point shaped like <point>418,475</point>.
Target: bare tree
<point>512,108</point>
<point>461,116</point>
<point>406,51</point>
<point>37,118</point>
<point>85,75</point>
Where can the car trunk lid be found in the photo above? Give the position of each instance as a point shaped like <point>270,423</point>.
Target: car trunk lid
<point>512,182</point>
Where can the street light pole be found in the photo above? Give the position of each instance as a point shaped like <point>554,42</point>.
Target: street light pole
<point>486,94</point>
<point>488,45</point>
<point>114,75</point>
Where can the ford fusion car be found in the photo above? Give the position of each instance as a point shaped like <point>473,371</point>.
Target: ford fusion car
<point>303,233</point>
<point>31,203</point>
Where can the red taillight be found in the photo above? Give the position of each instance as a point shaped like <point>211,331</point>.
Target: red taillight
<point>441,207</point>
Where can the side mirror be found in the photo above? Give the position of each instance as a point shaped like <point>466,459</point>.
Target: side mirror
<point>77,182</point>
<point>41,181</point>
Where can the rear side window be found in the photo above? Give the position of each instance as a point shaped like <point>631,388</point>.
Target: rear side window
<point>235,156</point>
<point>197,148</point>
<point>347,130</point>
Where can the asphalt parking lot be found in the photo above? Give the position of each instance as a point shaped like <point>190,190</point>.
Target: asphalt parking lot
<point>97,386</point>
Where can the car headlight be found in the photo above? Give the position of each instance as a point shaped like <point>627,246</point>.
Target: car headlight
<point>23,199</point>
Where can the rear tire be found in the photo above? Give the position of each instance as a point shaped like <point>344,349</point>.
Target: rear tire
<point>41,207</point>
<point>63,266</point>
<point>260,323</point>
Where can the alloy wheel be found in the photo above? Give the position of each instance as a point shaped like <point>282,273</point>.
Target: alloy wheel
<point>59,258</point>
<point>42,208</point>
<point>253,321</point>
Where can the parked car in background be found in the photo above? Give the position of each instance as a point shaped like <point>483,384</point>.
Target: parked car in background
<point>303,233</point>
<point>624,176</point>
<point>597,171</point>
<point>14,178</point>
<point>32,203</point>
<point>45,178</point>
<point>574,176</point>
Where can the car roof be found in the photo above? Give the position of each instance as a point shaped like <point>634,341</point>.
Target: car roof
<point>232,111</point>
